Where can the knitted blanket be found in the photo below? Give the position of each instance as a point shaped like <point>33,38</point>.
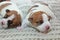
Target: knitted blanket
<point>30,33</point>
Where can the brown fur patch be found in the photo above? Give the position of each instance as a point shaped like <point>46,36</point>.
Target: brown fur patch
<point>16,21</point>
<point>4,5</point>
<point>36,18</point>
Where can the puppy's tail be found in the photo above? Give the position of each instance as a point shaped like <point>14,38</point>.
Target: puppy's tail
<point>4,5</point>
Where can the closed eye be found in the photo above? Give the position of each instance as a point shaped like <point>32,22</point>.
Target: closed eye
<point>41,22</point>
<point>37,22</point>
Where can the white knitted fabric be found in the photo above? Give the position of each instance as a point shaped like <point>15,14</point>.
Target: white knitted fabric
<point>30,33</point>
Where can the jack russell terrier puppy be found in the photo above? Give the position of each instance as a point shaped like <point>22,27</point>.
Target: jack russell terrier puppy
<point>12,16</point>
<point>39,17</point>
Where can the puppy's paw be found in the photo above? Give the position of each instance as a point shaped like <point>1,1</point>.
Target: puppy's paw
<point>19,28</point>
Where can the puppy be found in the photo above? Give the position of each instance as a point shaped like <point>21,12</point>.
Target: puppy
<point>7,9</point>
<point>39,17</point>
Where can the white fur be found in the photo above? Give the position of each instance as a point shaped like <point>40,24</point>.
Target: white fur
<point>11,17</point>
<point>45,17</point>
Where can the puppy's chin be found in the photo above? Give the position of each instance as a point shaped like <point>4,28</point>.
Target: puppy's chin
<point>42,28</point>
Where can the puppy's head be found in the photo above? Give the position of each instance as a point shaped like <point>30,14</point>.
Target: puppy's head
<point>10,19</point>
<point>40,18</point>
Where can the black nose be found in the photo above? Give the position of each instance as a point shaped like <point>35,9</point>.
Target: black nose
<point>9,22</point>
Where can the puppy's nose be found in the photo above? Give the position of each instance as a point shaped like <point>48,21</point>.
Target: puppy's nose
<point>2,23</point>
<point>47,27</point>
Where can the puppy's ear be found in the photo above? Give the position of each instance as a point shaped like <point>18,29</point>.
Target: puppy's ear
<point>7,10</point>
<point>49,17</point>
<point>30,19</point>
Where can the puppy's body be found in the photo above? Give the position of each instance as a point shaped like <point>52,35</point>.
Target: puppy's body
<point>10,10</point>
<point>38,17</point>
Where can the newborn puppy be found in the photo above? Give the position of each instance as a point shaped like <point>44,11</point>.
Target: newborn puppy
<point>7,9</point>
<point>39,17</point>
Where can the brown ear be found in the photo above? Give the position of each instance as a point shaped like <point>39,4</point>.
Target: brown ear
<point>49,17</point>
<point>7,10</point>
<point>30,19</point>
